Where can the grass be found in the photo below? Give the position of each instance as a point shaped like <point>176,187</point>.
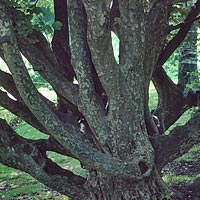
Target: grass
<point>171,178</point>
<point>191,156</point>
<point>14,182</point>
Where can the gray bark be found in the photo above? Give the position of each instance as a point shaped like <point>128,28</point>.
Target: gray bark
<point>122,160</point>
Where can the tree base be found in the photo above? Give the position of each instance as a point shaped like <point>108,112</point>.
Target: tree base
<point>104,187</point>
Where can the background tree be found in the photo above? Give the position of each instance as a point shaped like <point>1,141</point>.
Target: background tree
<point>188,71</point>
<point>120,145</point>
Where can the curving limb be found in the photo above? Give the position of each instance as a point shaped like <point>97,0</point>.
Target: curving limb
<point>179,37</point>
<point>24,155</point>
<point>38,51</point>
<point>172,102</point>
<point>67,134</point>
<point>42,60</point>
<point>180,140</point>
<point>20,110</point>
<point>95,113</point>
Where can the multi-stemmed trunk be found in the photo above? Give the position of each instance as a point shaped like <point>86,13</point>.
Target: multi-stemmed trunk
<point>120,145</point>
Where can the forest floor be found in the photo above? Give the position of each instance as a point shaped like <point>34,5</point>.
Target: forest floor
<point>181,173</point>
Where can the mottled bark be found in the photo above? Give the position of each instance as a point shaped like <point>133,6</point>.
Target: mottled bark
<point>20,153</point>
<point>173,100</point>
<point>122,160</point>
<point>105,187</point>
<point>179,37</point>
<point>94,113</point>
<point>67,134</point>
<point>180,140</point>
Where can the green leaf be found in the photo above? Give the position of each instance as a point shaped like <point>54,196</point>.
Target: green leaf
<point>57,25</point>
<point>189,86</point>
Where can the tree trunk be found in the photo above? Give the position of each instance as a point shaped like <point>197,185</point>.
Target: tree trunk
<point>104,187</point>
<point>122,157</point>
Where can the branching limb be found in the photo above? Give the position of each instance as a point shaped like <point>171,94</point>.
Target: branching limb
<point>21,154</point>
<point>17,106</point>
<point>37,50</point>
<point>100,43</point>
<point>20,110</point>
<point>178,142</point>
<point>6,81</point>
<point>179,37</point>
<point>171,103</point>
<point>90,103</point>
<point>40,60</point>
<point>67,134</point>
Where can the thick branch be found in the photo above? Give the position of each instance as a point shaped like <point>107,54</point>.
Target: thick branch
<point>114,17</point>
<point>179,37</point>
<point>19,153</point>
<point>6,81</point>
<point>66,134</point>
<point>20,110</point>
<point>157,28</point>
<point>39,57</point>
<point>180,140</point>
<point>171,103</point>
<point>81,58</point>
<point>60,42</point>
<point>37,50</point>
<point>100,43</point>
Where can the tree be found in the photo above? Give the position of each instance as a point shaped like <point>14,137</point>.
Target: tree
<point>120,145</point>
<point>188,71</point>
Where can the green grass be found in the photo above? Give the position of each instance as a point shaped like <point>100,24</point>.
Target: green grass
<point>14,182</point>
<point>171,178</point>
<point>153,97</point>
<point>191,156</point>
<point>29,132</point>
<point>67,163</point>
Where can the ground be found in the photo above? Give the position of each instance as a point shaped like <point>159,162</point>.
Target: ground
<point>180,173</point>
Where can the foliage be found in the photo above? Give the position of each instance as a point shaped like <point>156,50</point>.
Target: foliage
<point>38,15</point>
